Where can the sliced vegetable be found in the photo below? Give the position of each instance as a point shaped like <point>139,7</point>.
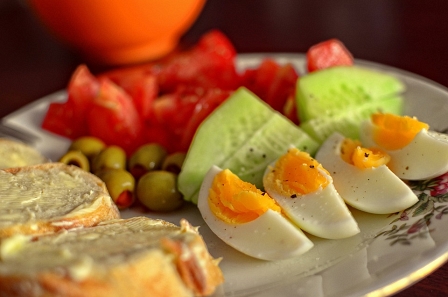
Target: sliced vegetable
<point>210,64</point>
<point>329,91</point>
<point>67,119</point>
<point>328,53</point>
<point>272,82</point>
<point>244,135</point>
<point>114,118</point>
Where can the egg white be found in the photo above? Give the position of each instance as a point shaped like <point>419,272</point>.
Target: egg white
<point>322,213</point>
<point>374,190</point>
<point>269,237</point>
<point>425,157</point>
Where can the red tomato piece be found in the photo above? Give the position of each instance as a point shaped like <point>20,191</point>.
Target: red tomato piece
<point>202,109</point>
<point>171,112</point>
<point>290,109</point>
<point>209,64</point>
<point>114,118</point>
<point>140,83</point>
<point>118,75</point>
<point>156,133</point>
<point>164,108</point>
<point>328,53</point>
<point>82,87</point>
<point>259,79</point>
<point>68,119</point>
<point>217,44</point>
<point>282,88</point>
<point>62,119</point>
<point>182,112</point>
<point>160,127</point>
<point>143,90</point>
<point>272,82</point>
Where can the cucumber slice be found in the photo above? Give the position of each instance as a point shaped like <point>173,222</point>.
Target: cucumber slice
<point>245,135</point>
<point>348,120</point>
<point>326,92</point>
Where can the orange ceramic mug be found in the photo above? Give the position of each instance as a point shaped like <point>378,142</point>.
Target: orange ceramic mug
<point>119,31</point>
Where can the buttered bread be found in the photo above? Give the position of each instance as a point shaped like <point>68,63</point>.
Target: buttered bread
<point>17,154</point>
<point>124,257</point>
<point>49,197</point>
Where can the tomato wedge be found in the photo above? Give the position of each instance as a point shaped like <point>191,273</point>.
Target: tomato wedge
<point>62,119</point>
<point>290,109</point>
<point>140,83</point>
<point>210,64</point>
<point>328,53</point>
<point>67,119</point>
<point>83,87</point>
<point>181,113</point>
<point>202,109</point>
<point>114,118</point>
<point>165,101</point>
<point>272,82</point>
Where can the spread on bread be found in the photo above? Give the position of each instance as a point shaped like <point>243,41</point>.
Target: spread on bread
<point>16,154</point>
<point>52,196</point>
<point>61,235</point>
<point>124,257</point>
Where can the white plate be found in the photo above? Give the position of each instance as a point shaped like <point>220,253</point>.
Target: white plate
<point>389,254</point>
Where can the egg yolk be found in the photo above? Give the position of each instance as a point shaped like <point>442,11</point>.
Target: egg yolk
<point>297,173</point>
<point>353,153</point>
<point>348,146</point>
<point>393,132</point>
<point>235,201</point>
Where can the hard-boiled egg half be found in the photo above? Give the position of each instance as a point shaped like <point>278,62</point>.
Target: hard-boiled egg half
<point>305,192</point>
<point>415,152</point>
<point>362,178</point>
<point>248,219</point>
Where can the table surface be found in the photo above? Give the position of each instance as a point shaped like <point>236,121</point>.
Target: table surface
<point>408,34</point>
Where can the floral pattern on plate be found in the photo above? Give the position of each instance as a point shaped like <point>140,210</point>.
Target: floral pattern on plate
<point>416,220</point>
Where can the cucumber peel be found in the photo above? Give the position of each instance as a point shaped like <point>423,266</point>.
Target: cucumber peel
<point>325,92</point>
<point>339,98</point>
<point>348,121</point>
<point>244,135</point>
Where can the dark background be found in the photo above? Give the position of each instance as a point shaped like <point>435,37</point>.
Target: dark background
<point>408,34</point>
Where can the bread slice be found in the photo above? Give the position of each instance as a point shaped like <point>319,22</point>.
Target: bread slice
<point>49,197</point>
<point>17,154</point>
<point>124,257</point>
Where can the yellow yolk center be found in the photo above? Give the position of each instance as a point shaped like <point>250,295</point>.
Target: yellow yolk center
<point>353,153</point>
<point>297,173</point>
<point>394,132</point>
<point>235,201</point>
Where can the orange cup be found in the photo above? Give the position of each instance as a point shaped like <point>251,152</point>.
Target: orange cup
<point>119,31</point>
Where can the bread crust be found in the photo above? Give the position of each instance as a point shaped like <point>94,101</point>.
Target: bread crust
<point>103,208</point>
<point>153,275</point>
<point>180,265</point>
<point>157,271</point>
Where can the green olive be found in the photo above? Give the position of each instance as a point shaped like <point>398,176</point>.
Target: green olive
<point>112,157</point>
<point>90,146</point>
<point>120,184</point>
<point>157,190</point>
<point>173,162</point>
<point>76,158</point>
<point>145,158</point>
